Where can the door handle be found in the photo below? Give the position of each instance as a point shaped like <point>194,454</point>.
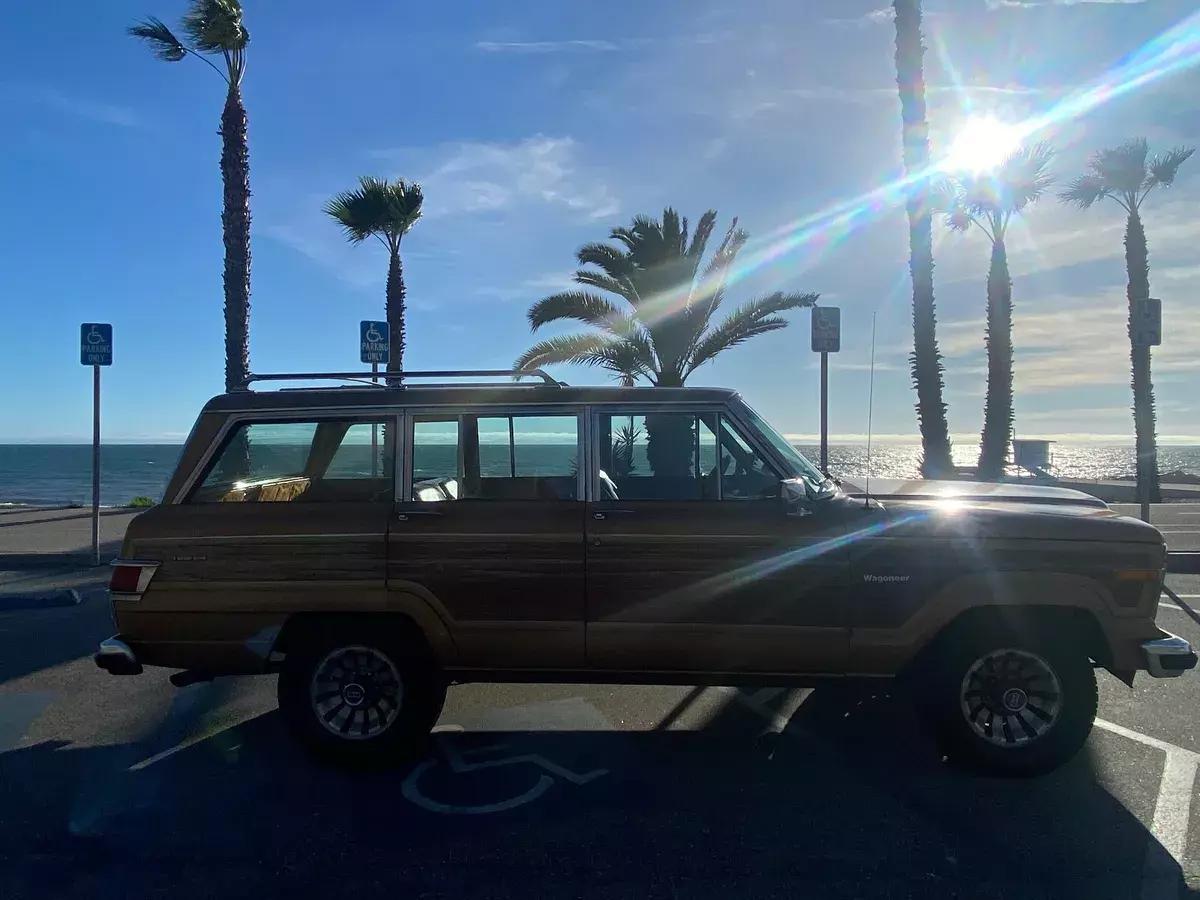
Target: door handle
<point>601,516</point>
<point>408,513</point>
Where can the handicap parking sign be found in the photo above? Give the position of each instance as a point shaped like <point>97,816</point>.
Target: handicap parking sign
<point>373,341</point>
<point>95,344</point>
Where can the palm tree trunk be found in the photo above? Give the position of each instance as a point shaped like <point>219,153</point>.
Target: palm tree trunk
<point>235,228</point>
<point>926,361</point>
<point>998,404</point>
<point>1137,265</point>
<point>395,313</point>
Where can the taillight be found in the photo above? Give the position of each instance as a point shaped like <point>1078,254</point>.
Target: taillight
<point>131,577</point>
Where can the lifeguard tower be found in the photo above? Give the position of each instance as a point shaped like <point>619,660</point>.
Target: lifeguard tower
<point>1033,457</point>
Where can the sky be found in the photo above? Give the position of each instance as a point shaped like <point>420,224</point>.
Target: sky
<point>537,127</point>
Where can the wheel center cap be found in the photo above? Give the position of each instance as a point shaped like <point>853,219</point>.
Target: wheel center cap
<point>1015,699</point>
<point>353,694</point>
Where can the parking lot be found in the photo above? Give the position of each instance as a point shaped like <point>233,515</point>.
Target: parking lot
<point>124,787</point>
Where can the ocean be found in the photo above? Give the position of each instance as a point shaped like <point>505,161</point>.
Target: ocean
<point>61,474</point>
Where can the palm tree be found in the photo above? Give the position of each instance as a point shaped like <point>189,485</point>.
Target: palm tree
<point>989,202</point>
<point>214,28</point>
<point>657,327</point>
<point>384,210</point>
<point>926,361</point>
<point>1126,175</point>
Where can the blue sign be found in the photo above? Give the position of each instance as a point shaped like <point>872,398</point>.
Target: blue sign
<point>95,344</point>
<point>826,329</point>
<point>374,346</point>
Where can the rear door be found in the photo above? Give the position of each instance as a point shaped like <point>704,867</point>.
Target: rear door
<point>286,515</point>
<point>696,563</point>
<point>489,529</point>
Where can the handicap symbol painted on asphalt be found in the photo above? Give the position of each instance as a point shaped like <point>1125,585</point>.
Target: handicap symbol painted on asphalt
<point>459,762</point>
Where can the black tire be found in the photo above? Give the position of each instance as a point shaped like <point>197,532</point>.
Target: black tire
<point>959,681</point>
<point>385,726</point>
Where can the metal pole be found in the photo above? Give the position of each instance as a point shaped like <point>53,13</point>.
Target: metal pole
<point>825,413</point>
<point>96,464</point>
<point>374,428</point>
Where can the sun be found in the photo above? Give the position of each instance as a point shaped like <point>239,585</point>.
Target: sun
<point>980,145</point>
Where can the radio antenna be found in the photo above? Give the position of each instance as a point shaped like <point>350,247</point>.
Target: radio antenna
<point>870,411</point>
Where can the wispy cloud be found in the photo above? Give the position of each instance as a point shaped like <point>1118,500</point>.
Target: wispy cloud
<point>882,16</point>
<point>530,288</point>
<point>1028,4</point>
<point>481,177</point>
<point>79,107</point>
<point>568,46</point>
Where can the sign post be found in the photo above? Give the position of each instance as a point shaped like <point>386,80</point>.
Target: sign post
<point>1146,331</point>
<point>826,339</point>
<point>95,350</point>
<point>374,347</point>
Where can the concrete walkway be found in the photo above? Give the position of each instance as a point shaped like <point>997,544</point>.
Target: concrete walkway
<point>56,540</point>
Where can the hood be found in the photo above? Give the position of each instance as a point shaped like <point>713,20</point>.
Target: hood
<point>956,509</point>
<point>973,492</point>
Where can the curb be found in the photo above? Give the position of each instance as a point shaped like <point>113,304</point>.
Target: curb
<point>40,600</point>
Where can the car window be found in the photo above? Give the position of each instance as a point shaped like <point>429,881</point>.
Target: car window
<point>745,473</point>
<point>658,456</point>
<point>495,457</point>
<point>312,462</point>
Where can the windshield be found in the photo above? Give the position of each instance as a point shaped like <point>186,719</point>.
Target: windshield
<point>817,484</point>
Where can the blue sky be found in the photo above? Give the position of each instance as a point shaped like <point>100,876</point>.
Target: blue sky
<point>537,127</point>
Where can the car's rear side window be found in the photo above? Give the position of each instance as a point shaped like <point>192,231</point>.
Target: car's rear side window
<point>495,457</point>
<point>330,461</point>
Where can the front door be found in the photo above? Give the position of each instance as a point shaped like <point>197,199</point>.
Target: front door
<point>490,530</point>
<point>696,563</point>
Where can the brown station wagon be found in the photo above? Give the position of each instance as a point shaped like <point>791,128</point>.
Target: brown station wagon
<point>374,543</point>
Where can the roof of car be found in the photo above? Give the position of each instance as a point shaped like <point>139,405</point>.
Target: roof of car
<point>457,395</point>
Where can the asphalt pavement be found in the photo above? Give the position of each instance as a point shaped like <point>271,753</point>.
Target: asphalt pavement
<point>127,787</point>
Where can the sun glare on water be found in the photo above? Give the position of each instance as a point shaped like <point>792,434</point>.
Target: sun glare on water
<point>982,144</point>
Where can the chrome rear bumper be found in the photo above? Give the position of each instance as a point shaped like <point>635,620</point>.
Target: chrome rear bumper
<point>115,657</point>
<point>1168,657</point>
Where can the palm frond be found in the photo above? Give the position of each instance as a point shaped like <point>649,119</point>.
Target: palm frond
<point>378,207</point>
<point>578,349</point>
<point>581,306</point>
<point>619,286</point>
<point>744,323</point>
<point>1023,177</point>
<point>1084,191</point>
<point>215,26</point>
<point>733,331</point>
<point>609,259</point>
<point>1122,169</point>
<point>704,229</point>
<point>161,40</point>
<point>1165,166</point>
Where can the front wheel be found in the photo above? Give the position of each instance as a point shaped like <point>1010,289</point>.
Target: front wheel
<point>360,696</point>
<point>1007,705</point>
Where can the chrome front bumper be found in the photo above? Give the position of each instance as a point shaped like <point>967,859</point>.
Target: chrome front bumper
<point>1168,657</point>
<point>115,658</point>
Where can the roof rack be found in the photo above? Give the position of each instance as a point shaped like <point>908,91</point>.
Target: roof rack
<point>366,377</point>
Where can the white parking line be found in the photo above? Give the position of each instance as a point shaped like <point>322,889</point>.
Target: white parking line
<point>1172,812</point>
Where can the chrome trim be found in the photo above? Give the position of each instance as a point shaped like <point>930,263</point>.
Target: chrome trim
<point>438,373</point>
<point>115,657</point>
<point>1168,647</point>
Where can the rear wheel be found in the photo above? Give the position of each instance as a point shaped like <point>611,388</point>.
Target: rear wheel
<point>1005,704</point>
<point>360,695</point>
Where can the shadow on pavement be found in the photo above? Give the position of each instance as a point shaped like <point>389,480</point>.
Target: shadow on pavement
<point>39,638</point>
<point>849,802</point>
